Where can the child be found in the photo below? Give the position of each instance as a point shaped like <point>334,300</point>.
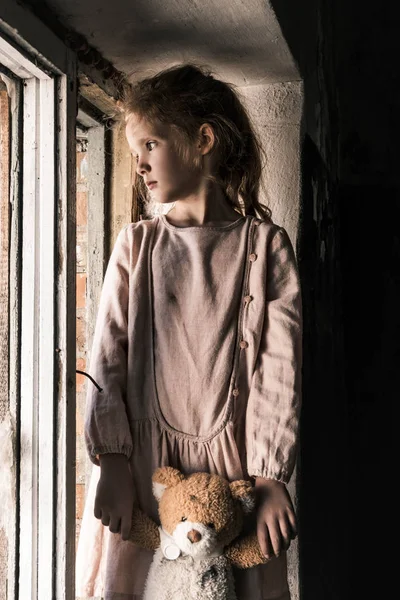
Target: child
<point>197,346</point>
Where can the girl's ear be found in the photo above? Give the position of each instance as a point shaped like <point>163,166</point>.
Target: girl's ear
<point>243,491</point>
<point>163,478</point>
<point>206,138</point>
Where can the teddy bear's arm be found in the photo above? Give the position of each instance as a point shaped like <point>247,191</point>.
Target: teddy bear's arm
<point>245,552</point>
<point>144,531</point>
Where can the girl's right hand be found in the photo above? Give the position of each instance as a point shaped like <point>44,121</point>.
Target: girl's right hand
<point>114,494</point>
<point>276,520</point>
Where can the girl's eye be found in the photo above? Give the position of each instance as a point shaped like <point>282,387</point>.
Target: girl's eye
<point>184,519</point>
<point>151,144</point>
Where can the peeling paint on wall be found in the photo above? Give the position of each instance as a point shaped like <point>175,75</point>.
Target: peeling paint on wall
<point>3,563</point>
<point>7,438</point>
<point>7,498</point>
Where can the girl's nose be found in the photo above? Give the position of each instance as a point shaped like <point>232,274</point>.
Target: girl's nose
<point>194,536</point>
<point>142,167</point>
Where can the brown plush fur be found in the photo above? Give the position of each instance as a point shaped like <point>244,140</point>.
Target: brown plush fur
<point>245,552</point>
<point>144,531</point>
<point>207,499</point>
<point>167,476</point>
<point>202,498</point>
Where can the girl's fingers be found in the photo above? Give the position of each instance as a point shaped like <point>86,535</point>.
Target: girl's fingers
<point>97,511</point>
<point>293,524</point>
<point>275,536</point>
<point>105,519</point>
<point>115,524</point>
<point>286,533</point>
<point>125,528</point>
<point>264,539</point>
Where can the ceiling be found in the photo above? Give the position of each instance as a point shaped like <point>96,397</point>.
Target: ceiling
<point>241,40</point>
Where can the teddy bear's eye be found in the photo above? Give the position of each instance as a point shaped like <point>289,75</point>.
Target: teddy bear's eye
<point>184,519</point>
<point>211,525</point>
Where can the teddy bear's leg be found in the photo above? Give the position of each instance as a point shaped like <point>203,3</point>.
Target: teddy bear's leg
<point>169,579</point>
<point>245,552</point>
<point>144,531</point>
<point>216,582</point>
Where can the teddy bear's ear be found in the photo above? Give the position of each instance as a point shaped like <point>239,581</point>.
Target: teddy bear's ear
<point>165,477</point>
<point>243,491</point>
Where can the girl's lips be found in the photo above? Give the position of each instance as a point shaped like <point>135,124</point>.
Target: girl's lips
<point>151,184</point>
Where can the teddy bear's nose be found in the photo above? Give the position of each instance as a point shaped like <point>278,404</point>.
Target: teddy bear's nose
<point>194,536</point>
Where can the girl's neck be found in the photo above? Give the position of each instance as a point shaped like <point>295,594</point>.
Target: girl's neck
<point>207,211</point>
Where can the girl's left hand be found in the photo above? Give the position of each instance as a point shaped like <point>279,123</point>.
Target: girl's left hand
<point>276,521</point>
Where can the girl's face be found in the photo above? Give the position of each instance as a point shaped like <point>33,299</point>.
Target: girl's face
<point>155,149</point>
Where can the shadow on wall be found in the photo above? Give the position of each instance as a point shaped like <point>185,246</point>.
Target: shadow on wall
<point>349,261</point>
<point>299,25</point>
<point>323,510</point>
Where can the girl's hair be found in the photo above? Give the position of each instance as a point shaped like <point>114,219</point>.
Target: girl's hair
<point>187,96</point>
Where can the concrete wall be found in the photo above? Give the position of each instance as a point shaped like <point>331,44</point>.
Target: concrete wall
<point>121,203</point>
<point>276,111</point>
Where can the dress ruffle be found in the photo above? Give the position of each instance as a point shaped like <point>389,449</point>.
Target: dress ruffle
<point>155,447</point>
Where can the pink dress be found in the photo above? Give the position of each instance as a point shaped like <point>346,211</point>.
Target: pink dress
<point>198,350</point>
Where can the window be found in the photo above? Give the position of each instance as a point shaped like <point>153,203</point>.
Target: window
<point>92,198</point>
<point>37,414</point>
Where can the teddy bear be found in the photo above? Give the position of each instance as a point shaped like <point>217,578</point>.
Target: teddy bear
<point>200,537</point>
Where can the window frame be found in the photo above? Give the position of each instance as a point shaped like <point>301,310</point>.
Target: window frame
<point>42,328</point>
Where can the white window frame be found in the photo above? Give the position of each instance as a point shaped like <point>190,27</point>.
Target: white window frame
<point>45,393</point>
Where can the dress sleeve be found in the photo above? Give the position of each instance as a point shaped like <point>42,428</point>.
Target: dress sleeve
<point>275,396</point>
<point>106,424</point>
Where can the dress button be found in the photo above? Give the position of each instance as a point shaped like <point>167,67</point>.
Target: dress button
<point>243,344</point>
<point>235,392</point>
<point>248,299</point>
<point>252,257</point>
